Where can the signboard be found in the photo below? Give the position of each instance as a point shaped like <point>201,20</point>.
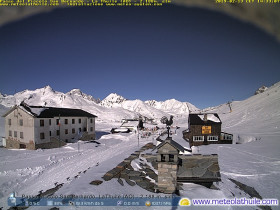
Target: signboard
<point>206,129</point>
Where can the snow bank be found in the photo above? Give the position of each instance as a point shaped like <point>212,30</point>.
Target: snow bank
<point>37,111</point>
<point>210,117</point>
<point>242,139</point>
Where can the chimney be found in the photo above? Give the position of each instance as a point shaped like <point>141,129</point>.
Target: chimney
<point>205,118</point>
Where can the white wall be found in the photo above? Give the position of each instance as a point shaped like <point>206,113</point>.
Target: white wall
<point>85,124</point>
<point>32,129</point>
<point>27,128</point>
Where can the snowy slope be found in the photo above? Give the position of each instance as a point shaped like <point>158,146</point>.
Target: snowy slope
<point>258,115</point>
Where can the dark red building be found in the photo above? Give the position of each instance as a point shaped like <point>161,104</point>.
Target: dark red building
<point>204,129</point>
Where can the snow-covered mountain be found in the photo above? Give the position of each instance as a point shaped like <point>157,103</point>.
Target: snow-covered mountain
<point>173,106</point>
<point>78,92</point>
<point>1,95</point>
<point>113,108</point>
<point>152,108</point>
<point>112,100</point>
<point>46,96</point>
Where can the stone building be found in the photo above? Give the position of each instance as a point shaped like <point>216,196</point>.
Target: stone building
<point>33,127</point>
<point>174,168</point>
<point>167,158</point>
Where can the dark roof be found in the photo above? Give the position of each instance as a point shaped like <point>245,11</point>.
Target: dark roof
<point>194,119</point>
<point>172,143</point>
<point>50,112</point>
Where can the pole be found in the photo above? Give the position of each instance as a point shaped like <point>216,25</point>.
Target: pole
<point>59,129</point>
<point>168,128</point>
<point>138,136</point>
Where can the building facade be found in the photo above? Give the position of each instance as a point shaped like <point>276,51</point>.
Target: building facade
<point>206,129</point>
<point>35,127</point>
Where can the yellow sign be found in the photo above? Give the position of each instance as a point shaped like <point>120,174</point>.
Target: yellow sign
<point>206,129</point>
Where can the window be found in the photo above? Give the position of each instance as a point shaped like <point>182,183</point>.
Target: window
<point>21,135</point>
<point>73,121</point>
<point>212,138</point>
<point>162,158</point>
<point>10,133</point>
<point>80,130</point>
<point>42,135</point>
<point>80,121</point>
<point>21,122</point>
<point>9,121</point>
<point>66,131</point>
<point>42,123</point>
<point>57,121</point>
<point>57,132</point>
<point>73,130</point>
<point>91,128</point>
<point>50,133</point>
<point>22,146</point>
<point>225,136</point>
<point>198,138</point>
<point>66,121</point>
<point>85,129</point>
<point>171,158</point>
<point>15,134</point>
<point>91,121</point>
<point>50,121</point>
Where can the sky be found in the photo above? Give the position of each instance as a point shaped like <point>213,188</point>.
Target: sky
<point>204,57</point>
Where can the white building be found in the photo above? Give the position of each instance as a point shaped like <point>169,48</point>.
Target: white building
<point>35,127</point>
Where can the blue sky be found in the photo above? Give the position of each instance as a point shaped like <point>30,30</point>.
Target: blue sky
<point>190,54</point>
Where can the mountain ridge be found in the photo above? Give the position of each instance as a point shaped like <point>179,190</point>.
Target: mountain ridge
<point>113,107</point>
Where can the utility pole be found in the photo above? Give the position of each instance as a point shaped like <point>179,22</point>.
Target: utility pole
<point>59,129</point>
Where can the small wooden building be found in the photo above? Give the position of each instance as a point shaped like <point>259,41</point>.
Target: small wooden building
<point>205,129</point>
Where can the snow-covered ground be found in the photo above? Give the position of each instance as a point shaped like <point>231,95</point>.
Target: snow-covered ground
<point>256,162</point>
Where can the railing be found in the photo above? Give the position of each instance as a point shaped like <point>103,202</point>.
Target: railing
<point>226,136</point>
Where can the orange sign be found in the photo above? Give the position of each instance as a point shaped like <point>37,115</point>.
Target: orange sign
<point>206,129</point>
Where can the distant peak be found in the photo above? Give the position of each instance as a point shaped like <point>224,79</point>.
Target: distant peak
<point>48,87</point>
<point>79,93</point>
<point>112,96</point>
<point>261,90</point>
<point>111,99</point>
<point>76,91</point>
